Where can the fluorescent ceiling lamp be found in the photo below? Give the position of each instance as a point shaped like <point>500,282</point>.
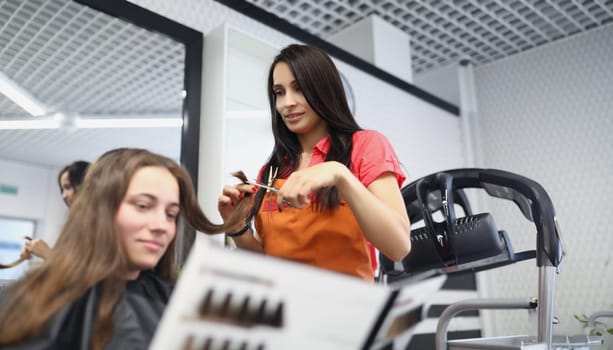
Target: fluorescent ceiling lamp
<point>79,123</point>
<point>129,123</point>
<point>21,96</point>
<point>29,124</point>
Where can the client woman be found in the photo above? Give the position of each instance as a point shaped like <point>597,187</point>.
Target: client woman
<point>110,274</point>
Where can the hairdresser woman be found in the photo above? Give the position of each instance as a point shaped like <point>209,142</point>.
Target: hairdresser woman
<point>339,185</point>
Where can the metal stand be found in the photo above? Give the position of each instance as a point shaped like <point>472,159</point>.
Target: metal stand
<point>474,243</point>
<point>474,304</point>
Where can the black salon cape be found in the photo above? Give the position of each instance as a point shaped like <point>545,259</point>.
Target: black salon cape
<point>134,321</point>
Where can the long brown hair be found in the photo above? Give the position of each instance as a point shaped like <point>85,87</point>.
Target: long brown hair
<point>89,252</point>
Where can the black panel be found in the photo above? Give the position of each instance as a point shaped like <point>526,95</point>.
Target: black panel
<point>460,282</point>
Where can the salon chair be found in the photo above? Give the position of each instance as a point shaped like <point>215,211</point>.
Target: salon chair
<point>451,243</point>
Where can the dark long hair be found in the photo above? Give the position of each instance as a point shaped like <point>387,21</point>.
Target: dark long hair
<point>88,250</point>
<point>76,173</point>
<point>321,85</point>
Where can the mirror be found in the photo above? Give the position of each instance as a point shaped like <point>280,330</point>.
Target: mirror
<point>104,74</point>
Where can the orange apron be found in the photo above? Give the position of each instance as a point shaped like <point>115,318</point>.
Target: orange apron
<point>330,240</point>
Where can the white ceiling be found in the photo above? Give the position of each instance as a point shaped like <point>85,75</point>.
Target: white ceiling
<point>77,60</point>
<point>445,31</point>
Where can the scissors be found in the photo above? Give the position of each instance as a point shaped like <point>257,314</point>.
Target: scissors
<point>241,176</point>
<point>270,188</point>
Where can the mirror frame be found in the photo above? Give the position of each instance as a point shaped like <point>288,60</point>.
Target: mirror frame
<point>192,83</point>
<point>192,79</point>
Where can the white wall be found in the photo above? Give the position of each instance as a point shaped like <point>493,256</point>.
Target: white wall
<point>441,82</point>
<point>426,138</point>
<point>378,42</point>
<point>548,114</point>
<point>38,197</point>
<point>31,182</point>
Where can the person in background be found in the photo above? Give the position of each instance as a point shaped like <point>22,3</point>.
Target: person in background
<point>339,185</point>
<point>69,180</point>
<point>111,272</point>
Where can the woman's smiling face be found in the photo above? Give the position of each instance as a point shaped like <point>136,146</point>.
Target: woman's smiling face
<point>291,104</point>
<point>146,220</point>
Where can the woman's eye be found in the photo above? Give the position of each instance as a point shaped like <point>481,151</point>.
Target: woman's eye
<point>172,215</point>
<point>277,92</point>
<point>141,205</point>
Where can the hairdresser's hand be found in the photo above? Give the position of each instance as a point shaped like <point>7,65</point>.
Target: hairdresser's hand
<point>231,196</point>
<point>25,254</point>
<point>296,189</point>
<point>39,248</point>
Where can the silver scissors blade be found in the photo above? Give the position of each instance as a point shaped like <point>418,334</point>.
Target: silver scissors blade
<point>270,188</point>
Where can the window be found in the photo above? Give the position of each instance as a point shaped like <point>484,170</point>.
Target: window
<point>12,231</point>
